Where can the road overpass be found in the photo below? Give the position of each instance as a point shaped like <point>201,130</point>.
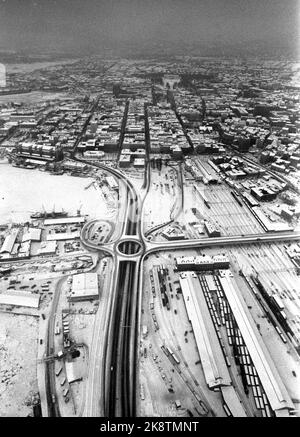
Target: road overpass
<point>152,246</point>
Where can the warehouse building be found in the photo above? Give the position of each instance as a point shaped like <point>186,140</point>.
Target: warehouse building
<point>20,299</point>
<point>64,221</point>
<point>211,356</point>
<point>214,367</point>
<point>48,248</point>
<point>9,242</point>
<point>63,236</point>
<point>73,372</point>
<point>85,287</point>
<point>274,388</point>
<point>32,234</point>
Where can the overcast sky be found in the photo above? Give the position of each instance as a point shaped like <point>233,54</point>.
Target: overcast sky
<point>72,24</point>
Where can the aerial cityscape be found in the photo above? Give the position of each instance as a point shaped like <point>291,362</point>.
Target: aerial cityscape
<point>149,210</point>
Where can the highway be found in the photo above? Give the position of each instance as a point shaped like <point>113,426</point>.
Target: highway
<point>121,392</point>
<point>119,355</point>
<point>122,338</point>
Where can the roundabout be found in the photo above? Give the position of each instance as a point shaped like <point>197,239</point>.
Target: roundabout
<point>129,247</point>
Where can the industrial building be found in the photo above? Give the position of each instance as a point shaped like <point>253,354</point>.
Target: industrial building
<point>275,390</point>
<point>172,234</point>
<point>204,262</point>
<point>48,248</point>
<point>211,229</point>
<point>39,151</point>
<point>213,364</point>
<point>32,234</point>
<point>85,287</point>
<point>21,299</point>
<point>63,236</point>
<point>263,193</point>
<point>9,242</point>
<point>64,221</point>
<point>211,356</point>
<point>72,372</point>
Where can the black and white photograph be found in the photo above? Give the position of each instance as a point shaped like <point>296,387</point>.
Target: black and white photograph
<point>149,211</point>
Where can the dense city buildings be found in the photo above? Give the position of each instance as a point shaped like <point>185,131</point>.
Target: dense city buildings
<point>149,238</point>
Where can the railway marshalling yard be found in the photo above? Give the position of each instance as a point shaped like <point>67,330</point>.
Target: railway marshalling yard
<point>169,328</point>
<point>264,276</point>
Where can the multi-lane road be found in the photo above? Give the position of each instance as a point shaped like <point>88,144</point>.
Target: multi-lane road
<point>119,357</point>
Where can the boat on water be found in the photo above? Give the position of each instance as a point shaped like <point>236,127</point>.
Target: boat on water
<point>49,214</point>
